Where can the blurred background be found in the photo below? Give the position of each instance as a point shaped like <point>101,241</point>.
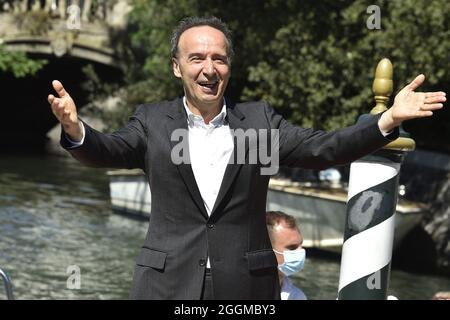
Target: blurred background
<point>313,61</point>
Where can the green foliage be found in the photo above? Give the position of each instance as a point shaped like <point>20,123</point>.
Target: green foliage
<point>98,92</point>
<point>312,60</point>
<point>323,79</point>
<point>18,63</point>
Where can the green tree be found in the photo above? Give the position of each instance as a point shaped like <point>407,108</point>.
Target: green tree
<point>319,68</point>
<point>18,63</point>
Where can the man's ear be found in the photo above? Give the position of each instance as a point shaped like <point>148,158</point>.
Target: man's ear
<point>176,68</point>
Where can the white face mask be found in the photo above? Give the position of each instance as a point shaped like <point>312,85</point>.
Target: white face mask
<point>294,260</point>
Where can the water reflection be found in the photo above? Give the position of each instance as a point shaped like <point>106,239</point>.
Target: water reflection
<point>55,213</point>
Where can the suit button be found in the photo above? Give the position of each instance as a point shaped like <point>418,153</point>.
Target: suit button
<point>202,262</point>
<point>210,225</point>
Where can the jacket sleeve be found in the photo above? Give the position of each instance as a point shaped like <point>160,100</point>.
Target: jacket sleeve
<point>316,149</point>
<point>125,148</point>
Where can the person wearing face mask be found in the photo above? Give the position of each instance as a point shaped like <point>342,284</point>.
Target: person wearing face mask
<point>287,242</point>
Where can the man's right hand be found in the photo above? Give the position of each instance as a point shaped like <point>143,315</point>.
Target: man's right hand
<point>66,112</point>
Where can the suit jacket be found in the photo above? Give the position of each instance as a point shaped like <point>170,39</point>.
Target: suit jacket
<point>181,236</point>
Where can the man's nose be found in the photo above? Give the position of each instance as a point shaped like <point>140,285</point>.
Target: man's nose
<point>208,68</point>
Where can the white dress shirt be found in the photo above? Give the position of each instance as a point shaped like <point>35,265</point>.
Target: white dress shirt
<point>210,149</point>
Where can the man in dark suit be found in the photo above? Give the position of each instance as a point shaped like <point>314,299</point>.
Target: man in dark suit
<point>207,236</point>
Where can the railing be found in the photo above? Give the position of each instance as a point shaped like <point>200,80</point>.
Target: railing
<point>86,10</point>
<point>81,28</point>
<point>8,286</point>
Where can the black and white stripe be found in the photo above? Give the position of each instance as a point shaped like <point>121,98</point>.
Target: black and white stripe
<point>369,228</point>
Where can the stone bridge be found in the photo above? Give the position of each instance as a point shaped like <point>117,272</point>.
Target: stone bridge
<point>79,28</point>
<point>69,34</point>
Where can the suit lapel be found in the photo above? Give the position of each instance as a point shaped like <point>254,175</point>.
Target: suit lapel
<point>235,120</point>
<point>178,120</point>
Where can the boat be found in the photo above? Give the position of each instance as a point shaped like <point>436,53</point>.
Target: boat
<point>321,212</point>
<point>320,209</point>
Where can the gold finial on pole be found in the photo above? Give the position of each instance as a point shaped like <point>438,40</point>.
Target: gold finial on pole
<point>382,85</point>
<point>382,88</point>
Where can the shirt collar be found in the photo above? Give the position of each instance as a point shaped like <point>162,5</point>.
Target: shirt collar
<point>218,120</point>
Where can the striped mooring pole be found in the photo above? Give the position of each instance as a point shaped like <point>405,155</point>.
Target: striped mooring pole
<point>371,206</point>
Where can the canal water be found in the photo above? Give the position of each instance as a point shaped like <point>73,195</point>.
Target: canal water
<point>55,219</point>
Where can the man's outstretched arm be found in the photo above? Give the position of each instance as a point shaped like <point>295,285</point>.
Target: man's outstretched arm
<point>318,149</point>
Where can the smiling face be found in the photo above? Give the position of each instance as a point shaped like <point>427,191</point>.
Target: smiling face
<point>202,63</point>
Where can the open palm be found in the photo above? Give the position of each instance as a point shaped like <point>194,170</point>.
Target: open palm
<point>409,104</point>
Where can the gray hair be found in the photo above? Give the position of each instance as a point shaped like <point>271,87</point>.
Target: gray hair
<point>191,22</point>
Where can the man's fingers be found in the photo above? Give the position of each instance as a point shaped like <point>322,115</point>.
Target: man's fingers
<point>59,88</point>
<point>433,106</point>
<point>416,82</point>
<point>58,107</point>
<point>434,97</point>
<point>435,94</point>
<point>57,104</point>
<point>63,106</point>
<point>54,102</point>
<point>426,114</point>
<point>435,100</point>
<point>64,115</point>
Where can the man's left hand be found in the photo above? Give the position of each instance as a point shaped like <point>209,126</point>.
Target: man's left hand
<point>409,104</point>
